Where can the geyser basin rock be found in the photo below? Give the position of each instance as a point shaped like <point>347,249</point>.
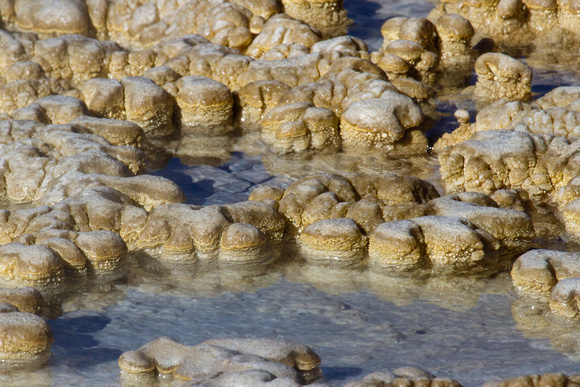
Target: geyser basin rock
<point>407,376</point>
<point>555,113</point>
<point>283,359</point>
<point>299,127</point>
<point>537,271</point>
<point>52,17</point>
<point>192,232</point>
<point>556,380</point>
<point>545,23</point>
<point>550,275</point>
<point>416,48</point>
<point>368,200</point>
<point>502,77</point>
<point>390,123</point>
<point>493,160</point>
<point>66,185</point>
<point>28,300</point>
<point>205,106</point>
<point>338,241</point>
<point>439,245</point>
<point>328,16</point>
<point>25,338</point>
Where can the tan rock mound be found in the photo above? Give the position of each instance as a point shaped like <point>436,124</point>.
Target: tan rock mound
<point>204,106</point>
<point>537,271</point>
<point>434,245</point>
<point>25,338</point>
<point>407,376</point>
<point>493,160</point>
<point>368,200</point>
<point>336,241</point>
<point>216,361</point>
<point>300,127</point>
<point>502,77</point>
<point>416,48</point>
<point>389,124</point>
<point>556,380</point>
<point>328,16</point>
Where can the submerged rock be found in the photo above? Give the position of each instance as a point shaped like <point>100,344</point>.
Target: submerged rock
<point>220,360</point>
<point>556,380</point>
<point>403,376</point>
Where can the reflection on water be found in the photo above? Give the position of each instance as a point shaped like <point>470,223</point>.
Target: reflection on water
<point>354,331</point>
<point>356,319</point>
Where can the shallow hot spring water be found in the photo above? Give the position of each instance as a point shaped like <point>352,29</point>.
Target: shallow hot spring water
<point>357,321</point>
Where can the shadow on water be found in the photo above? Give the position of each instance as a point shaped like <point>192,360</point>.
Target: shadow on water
<point>73,336</point>
<point>367,24</point>
<point>196,192</point>
<point>334,374</point>
<point>369,16</point>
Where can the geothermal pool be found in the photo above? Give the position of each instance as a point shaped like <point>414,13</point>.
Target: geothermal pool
<point>357,321</point>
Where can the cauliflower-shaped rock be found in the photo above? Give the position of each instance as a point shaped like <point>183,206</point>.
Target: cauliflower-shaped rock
<point>556,380</point>
<point>300,127</point>
<point>25,338</point>
<point>430,245</point>
<point>408,376</point>
<point>512,228</point>
<point>53,17</point>
<point>213,231</point>
<point>368,200</point>
<point>282,29</point>
<point>538,271</point>
<point>328,16</point>
<point>204,106</point>
<point>338,241</point>
<point>493,160</point>
<point>502,77</point>
<point>391,124</point>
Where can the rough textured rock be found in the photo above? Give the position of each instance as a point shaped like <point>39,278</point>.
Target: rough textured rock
<point>403,376</point>
<point>205,106</point>
<point>429,52</point>
<point>502,77</point>
<point>390,123</point>
<point>434,245</point>
<point>338,241</point>
<point>224,359</point>
<point>515,23</point>
<point>555,114</point>
<point>27,300</point>
<point>538,271</point>
<point>564,297</point>
<point>556,380</point>
<point>513,228</point>
<point>213,231</point>
<point>368,200</point>
<point>328,16</point>
<point>493,160</point>
<point>300,127</point>
<point>25,338</point>
<point>54,17</point>
<point>282,30</point>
